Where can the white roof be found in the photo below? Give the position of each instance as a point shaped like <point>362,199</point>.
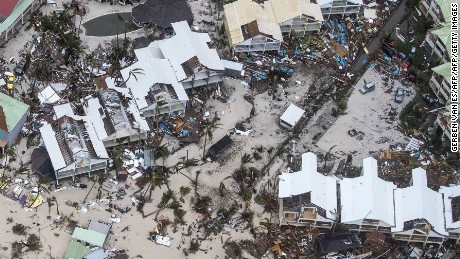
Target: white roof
<point>449,193</point>
<point>292,115</point>
<point>228,64</point>
<point>367,196</point>
<point>186,44</point>
<point>323,189</point>
<point>162,61</point>
<point>48,95</point>
<point>62,110</point>
<point>141,122</point>
<point>92,111</point>
<point>93,130</point>
<point>52,146</point>
<point>419,202</point>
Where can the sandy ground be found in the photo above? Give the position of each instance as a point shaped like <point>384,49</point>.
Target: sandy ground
<point>368,114</point>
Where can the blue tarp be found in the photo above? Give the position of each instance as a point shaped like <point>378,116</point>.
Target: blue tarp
<point>190,119</point>
<point>185,133</point>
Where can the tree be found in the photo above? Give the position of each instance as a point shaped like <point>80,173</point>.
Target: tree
<point>133,73</point>
<point>210,126</point>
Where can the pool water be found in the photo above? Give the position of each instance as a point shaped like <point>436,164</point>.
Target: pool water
<point>110,24</point>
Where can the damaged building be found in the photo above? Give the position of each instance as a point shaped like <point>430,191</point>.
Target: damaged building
<point>74,144</point>
<point>367,200</point>
<point>340,7</point>
<point>435,9</point>
<point>252,27</point>
<point>307,197</point>
<point>170,67</point>
<point>116,119</point>
<point>415,214</point>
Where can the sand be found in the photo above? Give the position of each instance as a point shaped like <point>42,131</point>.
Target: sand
<point>366,113</point>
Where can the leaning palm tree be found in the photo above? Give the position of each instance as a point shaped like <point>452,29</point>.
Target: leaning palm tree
<point>133,73</point>
<point>208,133</point>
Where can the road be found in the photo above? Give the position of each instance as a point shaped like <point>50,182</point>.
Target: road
<point>397,16</point>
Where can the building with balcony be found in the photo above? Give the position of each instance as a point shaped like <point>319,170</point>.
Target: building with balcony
<point>166,69</point>
<point>451,197</point>
<point>439,41</point>
<point>252,27</point>
<point>437,10</point>
<point>419,212</point>
<point>415,214</point>
<point>74,145</point>
<point>307,197</point>
<point>367,200</point>
<point>440,81</point>
<point>299,16</point>
<point>115,118</point>
<point>340,7</point>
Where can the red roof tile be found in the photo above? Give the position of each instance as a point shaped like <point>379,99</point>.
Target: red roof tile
<point>7,7</point>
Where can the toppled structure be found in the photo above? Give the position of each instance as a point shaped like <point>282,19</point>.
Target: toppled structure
<point>414,214</point>
<point>254,27</point>
<point>167,68</point>
<point>13,116</point>
<point>74,144</point>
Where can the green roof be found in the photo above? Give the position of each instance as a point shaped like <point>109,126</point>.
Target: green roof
<point>444,34</point>
<point>13,109</point>
<point>444,5</point>
<point>89,236</point>
<point>21,8</point>
<point>76,250</point>
<point>444,71</point>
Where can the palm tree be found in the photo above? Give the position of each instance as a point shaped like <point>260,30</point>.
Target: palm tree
<point>328,156</point>
<point>133,73</point>
<point>208,134</point>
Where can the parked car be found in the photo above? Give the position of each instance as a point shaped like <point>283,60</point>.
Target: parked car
<point>399,96</point>
<point>19,70</point>
<point>367,88</point>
